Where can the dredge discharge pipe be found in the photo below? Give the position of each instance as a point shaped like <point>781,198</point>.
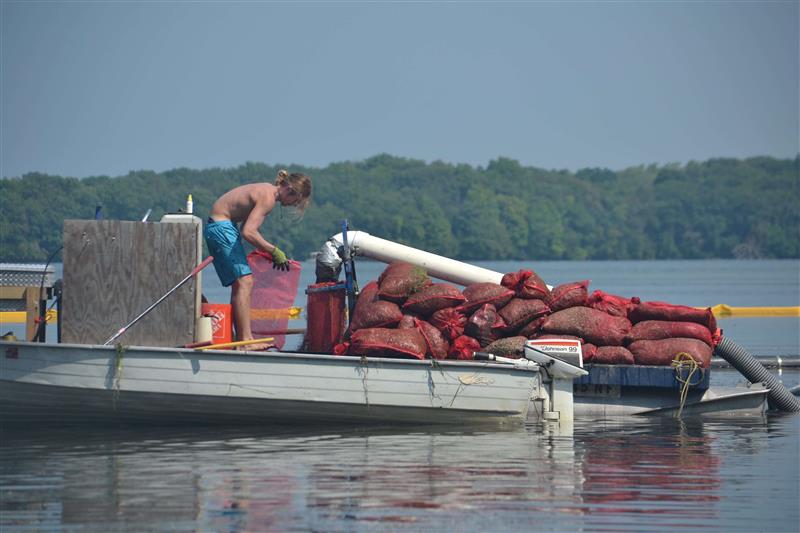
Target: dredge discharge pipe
<point>779,396</point>
<point>362,243</point>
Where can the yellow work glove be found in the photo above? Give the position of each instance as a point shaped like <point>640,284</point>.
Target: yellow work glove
<point>279,260</point>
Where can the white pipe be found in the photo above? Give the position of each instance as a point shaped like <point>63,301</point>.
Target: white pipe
<point>364,244</point>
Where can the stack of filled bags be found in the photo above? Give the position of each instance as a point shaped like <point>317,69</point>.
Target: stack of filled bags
<point>405,314</point>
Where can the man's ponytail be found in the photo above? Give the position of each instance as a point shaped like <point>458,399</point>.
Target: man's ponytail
<point>281,178</point>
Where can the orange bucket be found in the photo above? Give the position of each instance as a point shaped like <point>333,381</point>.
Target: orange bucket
<point>221,322</point>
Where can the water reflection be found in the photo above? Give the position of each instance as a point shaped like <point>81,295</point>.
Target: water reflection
<point>601,475</point>
<point>653,471</point>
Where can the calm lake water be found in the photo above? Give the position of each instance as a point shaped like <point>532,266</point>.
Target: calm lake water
<point>738,474</point>
<point>723,474</point>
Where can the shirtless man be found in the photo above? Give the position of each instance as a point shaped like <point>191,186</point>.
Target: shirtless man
<point>249,205</point>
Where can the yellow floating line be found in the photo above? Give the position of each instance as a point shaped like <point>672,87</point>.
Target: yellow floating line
<point>719,310</point>
<point>20,317</point>
<point>726,311</point>
<point>234,344</point>
<point>275,314</point>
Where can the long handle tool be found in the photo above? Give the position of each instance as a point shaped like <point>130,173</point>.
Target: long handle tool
<point>193,273</point>
<point>234,344</point>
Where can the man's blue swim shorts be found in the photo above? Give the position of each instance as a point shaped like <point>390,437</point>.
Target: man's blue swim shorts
<point>225,244</point>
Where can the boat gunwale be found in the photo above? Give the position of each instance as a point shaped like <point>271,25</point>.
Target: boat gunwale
<point>291,355</point>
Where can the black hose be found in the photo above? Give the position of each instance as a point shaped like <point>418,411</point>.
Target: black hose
<point>779,397</point>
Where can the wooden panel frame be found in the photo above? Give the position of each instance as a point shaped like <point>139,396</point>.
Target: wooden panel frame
<point>114,270</point>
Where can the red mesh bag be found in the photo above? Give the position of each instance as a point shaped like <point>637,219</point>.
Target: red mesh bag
<point>588,351</point>
<point>611,304</point>
<point>479,294</point>
<point>449,321</point>
<point>367,295</point>
<point>511,347</point>
<point>569,295</point>
<point>485,325</point>
<point>432,298</point>
<point>371,312</point>
<point>673,313</point>
<point>382,342</point>
<point>274,292</point>
<point>716,337</point>
<point>463,347</point>
<point>651,330</point>
<point>341,348</point>
<point>400,280</point>
<point>379,314</point>
<point>437,344</point>
<point>589,324</point>
<point>519,312</point>
<point>532,328</point>
<point>407,322</point>
<point>526,284</point>
<point>514,280</point>
<point>612,355</point>
<point>552,336</point>
<point>663,352</point>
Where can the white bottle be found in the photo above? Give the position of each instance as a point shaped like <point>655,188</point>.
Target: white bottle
<point>189,204</point>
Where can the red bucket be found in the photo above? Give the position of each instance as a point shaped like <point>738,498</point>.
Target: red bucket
<point>221,322</point>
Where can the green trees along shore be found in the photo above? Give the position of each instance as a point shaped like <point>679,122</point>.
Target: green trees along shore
<point>720,208</point>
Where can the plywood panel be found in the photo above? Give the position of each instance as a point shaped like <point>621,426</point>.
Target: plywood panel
<point>114,270</point>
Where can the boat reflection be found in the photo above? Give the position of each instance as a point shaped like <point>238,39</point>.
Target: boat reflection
<point>276,480</point>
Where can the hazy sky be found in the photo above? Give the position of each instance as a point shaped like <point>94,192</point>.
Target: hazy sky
<point>92,88</point>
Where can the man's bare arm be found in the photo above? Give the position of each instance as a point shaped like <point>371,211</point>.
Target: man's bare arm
<point>250,229</point>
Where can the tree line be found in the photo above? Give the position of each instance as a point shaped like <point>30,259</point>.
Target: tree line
<point>719,208</point>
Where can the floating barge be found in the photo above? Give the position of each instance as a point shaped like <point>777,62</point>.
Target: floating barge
<point>624,390</point>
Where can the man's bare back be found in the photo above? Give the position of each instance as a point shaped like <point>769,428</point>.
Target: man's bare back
<point>248,204</point>
<point>237,204</point>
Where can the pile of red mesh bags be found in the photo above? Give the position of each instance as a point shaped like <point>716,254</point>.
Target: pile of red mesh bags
<point>405,314</point>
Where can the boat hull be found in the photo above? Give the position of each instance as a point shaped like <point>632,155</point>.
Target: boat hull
<point>76,384</point>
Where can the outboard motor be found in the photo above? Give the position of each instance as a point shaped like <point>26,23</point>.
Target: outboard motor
<point>557,403</point>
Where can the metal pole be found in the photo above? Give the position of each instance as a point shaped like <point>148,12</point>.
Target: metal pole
<point>348,273</point>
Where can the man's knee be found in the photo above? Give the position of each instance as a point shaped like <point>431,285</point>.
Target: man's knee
<point>243,283</point>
